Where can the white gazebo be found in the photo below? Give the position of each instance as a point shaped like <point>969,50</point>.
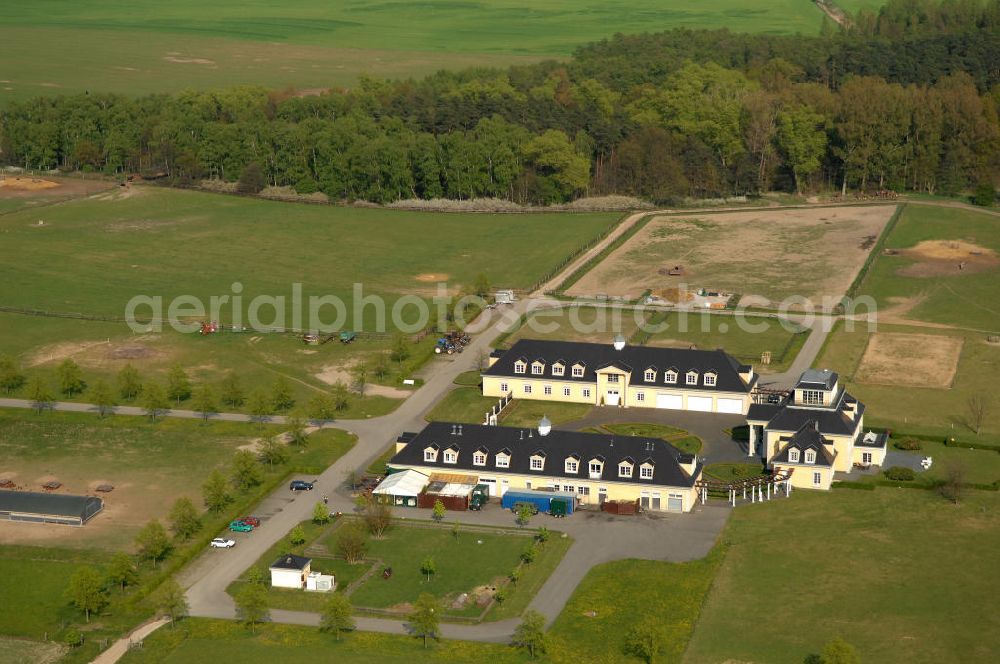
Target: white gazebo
<point>401,488</point>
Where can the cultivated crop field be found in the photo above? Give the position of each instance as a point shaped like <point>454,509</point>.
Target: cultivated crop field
<point>160,47</point>
<point>766,254</point>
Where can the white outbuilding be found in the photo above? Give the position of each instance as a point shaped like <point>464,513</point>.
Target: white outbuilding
<point>290,571</point>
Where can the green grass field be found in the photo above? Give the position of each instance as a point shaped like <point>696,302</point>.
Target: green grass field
<point>157,47</point>
<point>946,295</point>
<point>902,575</point>
<point>923,410</point>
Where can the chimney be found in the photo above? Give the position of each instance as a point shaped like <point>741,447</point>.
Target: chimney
<point>459,429</point>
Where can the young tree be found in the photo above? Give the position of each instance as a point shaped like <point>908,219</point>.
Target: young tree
<point>204,401</point>
<point>129,385</point>
<point>11,376</point>
<point>257,576</point>
<point>530,634</point>
<point>339,396</point>
<point>154,401</point>
<point>336,615</point>
<point>428,567</point>
<point>378,518</point>
<point>352,478</point>
<point>184,521</point>
<point>952,487</point>
<point>645,641</point>
<point>297,536</point>
<point>170,599</point>
<point>321,514</point>
<point>70,378</point>
<point>839,651</point>
<point>481,286</point>
<point>524,514</point>
<point>122,571</point>
<point>251,605</point>
<point>979,408</point>
<point>153,541</point>
<point>296,427</point>
<point>352,543</point>
<point>543,535</point>
<point>400,349</point>
<point>103,398</point>
<point>86,591</point>
<point>178,385</point>
<point>360,375</point>
<point>281,394</point>
<point>246,470</point>
<point>530,553</point>
<point>232,391</point>
<point>438,511</point>
<point>260,408</point>
<point>515,575</point>
<point>215,491</point>
<point>425,620</point>
<point>38,392</point>
<point>252,180</point>
<point>273,452</point>
<point>381,367</point>
<point>321,408</point>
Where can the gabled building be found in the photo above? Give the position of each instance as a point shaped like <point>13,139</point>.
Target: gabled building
<point>594,467</point>
<point>621,375</point>
<point>817,430</point>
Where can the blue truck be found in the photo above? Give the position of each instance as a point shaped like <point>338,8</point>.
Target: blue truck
<point>556,503</point>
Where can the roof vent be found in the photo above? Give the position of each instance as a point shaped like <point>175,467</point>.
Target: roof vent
<point>544,426</point>
<point>459,429</point>
<point>522,434</point>
<point>531,433</point>
<point>619,342</point>
<point>453,428</point>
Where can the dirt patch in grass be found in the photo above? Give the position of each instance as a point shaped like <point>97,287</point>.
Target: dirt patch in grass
<point>771,254</point>
<point>176,58</point>
<point>60,351</point>
<point>936,258</point>
<point>23,650</point>
<point>26,184</point>
<point>332,374</point>
<point>920,360</point>
<point>431,277</point>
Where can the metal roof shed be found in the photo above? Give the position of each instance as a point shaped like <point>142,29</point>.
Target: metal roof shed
<point>35,507</point>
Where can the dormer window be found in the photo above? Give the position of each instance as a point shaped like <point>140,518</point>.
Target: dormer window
<point>810,456</point>
<point>650,375</point>
<point>537,368</point>
<point>451,455</point>
<point>558,369</point>
<point>577,371</point>
<point>479,458</point>
<point>710,378</point>
<point>503,460</point>
<point>430,454</point>
<point>793,456</point>
<point>537,462</point>
<point>812,397</point>
<point>520,367</point>
<point>625,469</point>
<point>670,377</point>
<point>646,471</point>
<point>572,465</point>
<point>692,378</point>
<point>596,469</point>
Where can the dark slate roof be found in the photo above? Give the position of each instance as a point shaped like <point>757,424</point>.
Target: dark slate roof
<point>832,420</point>
<point>873,440</point>
<point>763,411</point>
<point>817,379</point>
<point>631,358</point>
<point>523,443</point>
<point>51,504</point>
<point>804,439</point>
<point>291,561</point>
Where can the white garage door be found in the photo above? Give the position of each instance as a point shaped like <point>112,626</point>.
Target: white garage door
<point>675,502</point>
<point>700,403</point>
<point>730,405</point>
<point>669,401</point>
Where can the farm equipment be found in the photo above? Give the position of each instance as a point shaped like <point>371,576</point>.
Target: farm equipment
<point>452,342</point>
<point>209,327</point>
<point>318,340</point>
<point>348,337</point>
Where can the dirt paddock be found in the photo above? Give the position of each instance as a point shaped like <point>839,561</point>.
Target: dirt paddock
<point>920,360</point>
<point>935,258</point>
<point>31,186</point>
<point>770,255</point>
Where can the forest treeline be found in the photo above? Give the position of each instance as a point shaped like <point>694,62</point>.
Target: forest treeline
<point>906,98</point>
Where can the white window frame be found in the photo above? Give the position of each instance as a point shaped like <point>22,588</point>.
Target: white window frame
<point>670,377</point>
<point>586,393</point>
<point>598,473</point>
<point>645,472</point>
<point>504,388</point>
<point>450,457</point>
<point>572,466</point>
<point>614,378</point>
<point>502,461</point>
<point>624,470</point>
<point>537,369</point>
<point>569,488</point>
<point>537,463</point>
<point>813,397</point>
<point>558,369</point>
<point>567,391</point>
<point>578,371</point>
<point>817,479</point>
<point>547,390</point>
<point>520,367</point>
<point>650,375</point>
<point>479,459</point>
<point>866,457</point>
<point>430,455</point>
<point>527,388</point>
<point>793,456</point>
<point>710,379</point>
<point>810,456</point>
<point>691,378</point>
<point>640,396</point>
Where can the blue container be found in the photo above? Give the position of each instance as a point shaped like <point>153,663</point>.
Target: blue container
<point>540,499</point>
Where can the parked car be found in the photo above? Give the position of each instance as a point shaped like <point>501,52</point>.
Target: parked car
<point>516,508</point>
<point>240,527</point>
<point>222,543</point>
<point>251,521</point>
<point>300,485</point>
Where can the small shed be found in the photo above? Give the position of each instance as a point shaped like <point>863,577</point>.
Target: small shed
<point>453,490</point>
<point>401,489</point>
<point>290,571</point>
<point>320,583</point>
<point>38,507</point>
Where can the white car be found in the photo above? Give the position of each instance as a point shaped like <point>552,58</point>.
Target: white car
<point>223,543</point>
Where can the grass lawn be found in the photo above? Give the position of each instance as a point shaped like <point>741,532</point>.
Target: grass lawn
<point>578,323</point>
<point>168,47</point>
<point>964,298</point>
<point>625,592</point>
<point>149,464</point>
<point>679,438</point>
<point>204,640</point>
<point>463,404</point>
<point>922,410</point>
<point>744,337</point>
<point>977,466</point>
<point>731,472</point>
<point>919,568</point>
<point>468,379</point>
<point>527,413</point>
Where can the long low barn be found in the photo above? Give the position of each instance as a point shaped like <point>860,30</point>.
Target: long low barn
<point>48,507</point>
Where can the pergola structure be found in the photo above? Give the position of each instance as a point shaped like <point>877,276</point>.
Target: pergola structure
<point>760,487</point>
